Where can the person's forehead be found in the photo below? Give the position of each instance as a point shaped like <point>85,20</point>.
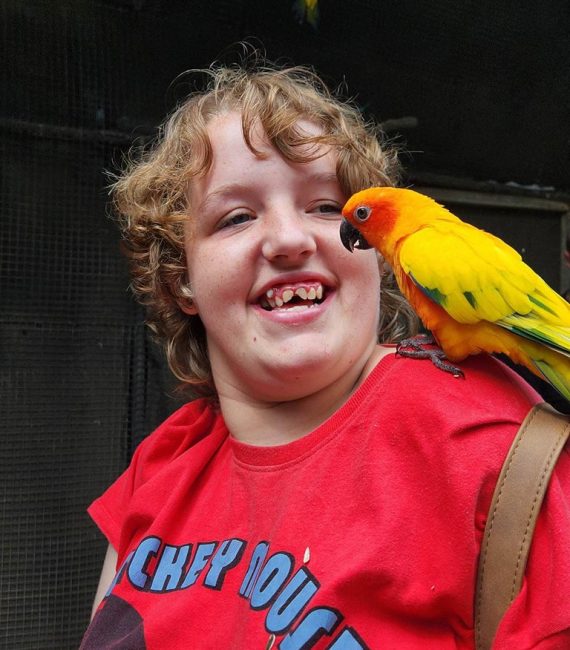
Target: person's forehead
<point>226,131</point>
<point>229,146</point>
<point>231,154</point>
<point>230,123</point>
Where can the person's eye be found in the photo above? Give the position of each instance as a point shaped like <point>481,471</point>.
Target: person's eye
<point>235,220</point>
<point>326,209</point>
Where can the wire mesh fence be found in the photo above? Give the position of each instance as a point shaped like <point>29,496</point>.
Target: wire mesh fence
<point>80,383</point>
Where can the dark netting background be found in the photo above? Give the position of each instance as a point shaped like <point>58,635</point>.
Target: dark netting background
<point>477,91</point>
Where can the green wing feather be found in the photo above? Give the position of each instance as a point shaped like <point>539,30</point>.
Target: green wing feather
<point>553,375</point>
<point>475,276</point>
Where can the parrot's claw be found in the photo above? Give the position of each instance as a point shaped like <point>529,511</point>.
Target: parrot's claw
<point>437,358</point>
<point>414,349</point>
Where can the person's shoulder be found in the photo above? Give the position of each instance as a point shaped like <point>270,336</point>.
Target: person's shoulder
<point>489,401</point>
<point>193,426</point>
<point>485,385</point>
<point>461,426</point>
<point>195,418</point>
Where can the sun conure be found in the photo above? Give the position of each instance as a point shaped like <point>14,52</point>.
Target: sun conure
<point>470,289</point>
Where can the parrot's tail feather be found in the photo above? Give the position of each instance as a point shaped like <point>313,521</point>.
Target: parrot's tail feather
<point>554,378</point>
<point>548,364</point>
<point>555,349</point>
<point>556,338</point>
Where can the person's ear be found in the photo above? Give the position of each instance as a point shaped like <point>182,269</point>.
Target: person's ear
<point>185,299</point>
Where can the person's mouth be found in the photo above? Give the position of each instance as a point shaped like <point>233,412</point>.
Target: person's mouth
<point>294,296</point>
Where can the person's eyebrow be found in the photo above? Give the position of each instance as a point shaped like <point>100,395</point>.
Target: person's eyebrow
<point>230,189</point>
<point>220,192</point>
<point>322,177</point>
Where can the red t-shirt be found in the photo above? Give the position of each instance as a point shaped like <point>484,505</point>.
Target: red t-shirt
<point>365,533</point>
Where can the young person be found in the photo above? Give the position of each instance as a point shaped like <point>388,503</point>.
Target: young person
<point>323,492</point>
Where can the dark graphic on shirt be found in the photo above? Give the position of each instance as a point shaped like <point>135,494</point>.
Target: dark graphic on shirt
<point>270,582</point>
<point>121,624</point>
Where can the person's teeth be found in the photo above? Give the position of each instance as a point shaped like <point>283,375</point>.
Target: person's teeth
<point>267,304</point>
<point>273,300</point>
<point>287,295</point>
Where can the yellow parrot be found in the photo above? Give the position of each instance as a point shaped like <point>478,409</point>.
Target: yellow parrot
<point>307,10</point>
<point>470,289</point>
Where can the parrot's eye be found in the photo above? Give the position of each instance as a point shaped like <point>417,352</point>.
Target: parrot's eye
<point>362,213</point>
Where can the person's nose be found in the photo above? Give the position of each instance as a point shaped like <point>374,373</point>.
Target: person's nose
<point>288,237</point>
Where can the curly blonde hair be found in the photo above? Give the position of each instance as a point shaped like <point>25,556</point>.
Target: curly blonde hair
<point>151,196</point>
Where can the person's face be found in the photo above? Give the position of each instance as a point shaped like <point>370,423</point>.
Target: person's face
<point>287,310</point>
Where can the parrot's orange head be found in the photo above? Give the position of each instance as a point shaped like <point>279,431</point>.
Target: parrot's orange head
<point>380,217</point>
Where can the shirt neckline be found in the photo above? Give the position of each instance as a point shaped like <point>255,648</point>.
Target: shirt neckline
<point>267,458</point>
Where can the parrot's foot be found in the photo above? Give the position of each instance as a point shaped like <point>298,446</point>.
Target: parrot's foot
<point>414,349</point>
<point>416,342</point>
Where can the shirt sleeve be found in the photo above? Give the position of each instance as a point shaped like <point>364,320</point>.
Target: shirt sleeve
<point>189,428</point>
<point>460,431</point>
<point>540,615</point>
<point>106,510</point>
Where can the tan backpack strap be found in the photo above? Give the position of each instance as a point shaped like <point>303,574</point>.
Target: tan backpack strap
<point>512,516</point>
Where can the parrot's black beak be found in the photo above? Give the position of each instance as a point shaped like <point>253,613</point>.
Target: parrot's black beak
<point>351,238</point>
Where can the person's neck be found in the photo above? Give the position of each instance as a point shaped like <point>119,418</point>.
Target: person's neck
<point>269,423</point>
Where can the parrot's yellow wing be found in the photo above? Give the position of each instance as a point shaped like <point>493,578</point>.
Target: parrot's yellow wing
<point>475,277</point>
